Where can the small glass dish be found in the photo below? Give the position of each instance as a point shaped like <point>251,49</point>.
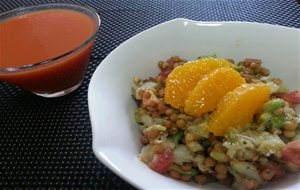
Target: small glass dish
<point>60,74</point>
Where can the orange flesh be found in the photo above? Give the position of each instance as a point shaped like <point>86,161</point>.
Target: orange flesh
<point>238,107</point>
<point>210,89</point>
<point>184,78</point>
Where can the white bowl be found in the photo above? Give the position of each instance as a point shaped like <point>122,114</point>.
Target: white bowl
<point>115,134</point>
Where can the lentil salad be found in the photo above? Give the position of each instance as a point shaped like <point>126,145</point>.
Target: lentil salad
<point>181,146</point>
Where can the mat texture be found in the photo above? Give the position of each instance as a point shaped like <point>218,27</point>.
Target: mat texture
<point>48,142</point>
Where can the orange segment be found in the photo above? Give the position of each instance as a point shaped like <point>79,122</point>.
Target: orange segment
<point>184,78</point>
<point>210,89</point>
<point>237,107</point>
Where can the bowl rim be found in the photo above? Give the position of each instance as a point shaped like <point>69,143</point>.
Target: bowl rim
<point>54,6</point>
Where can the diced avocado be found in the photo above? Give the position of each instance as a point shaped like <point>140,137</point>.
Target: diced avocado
<point>178,137</point>
<point>273,105</point>
<point>238,68</point>
<point>193,172</point>
<point>277,121</point>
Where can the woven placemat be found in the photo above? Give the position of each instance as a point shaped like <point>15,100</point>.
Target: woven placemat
<point>48,142</point>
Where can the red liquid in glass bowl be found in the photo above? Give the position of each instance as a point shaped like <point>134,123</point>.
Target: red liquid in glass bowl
<point>45,49</point>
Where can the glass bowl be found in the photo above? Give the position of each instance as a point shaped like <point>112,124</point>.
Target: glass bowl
<point>60,74</point>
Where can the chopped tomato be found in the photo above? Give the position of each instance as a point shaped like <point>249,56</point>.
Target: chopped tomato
<point>162,162</point>
<point>165,72</point>
<point>291,152</point>
<point>293,98</point>
<point>278,170</point>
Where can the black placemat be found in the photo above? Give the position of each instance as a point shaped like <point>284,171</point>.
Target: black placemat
<point>48,142</point>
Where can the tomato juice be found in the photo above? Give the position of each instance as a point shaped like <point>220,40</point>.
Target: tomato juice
<point>46,51</point>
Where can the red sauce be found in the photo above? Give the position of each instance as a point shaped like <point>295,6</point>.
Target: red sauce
<point>34,37</point>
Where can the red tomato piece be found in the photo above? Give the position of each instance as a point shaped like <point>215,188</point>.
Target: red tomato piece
<point>166,71</point>
<point>162,162</point>
<point>291,152</point>
<point>293,98</point>
<point>278,170</point>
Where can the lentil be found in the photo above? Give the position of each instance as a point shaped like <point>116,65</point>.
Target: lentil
<point>189,137</point>
<point>288,125</point>
<point>142,111</point>
<point>266,174</point>
<point>250,183</point>
<point>277,81</point>
<point>144,140</point>
<point>219,147</point>
<point>219,156</point>
<point>209,162</point>
<point>264,71</point>
<point>201,179</point>
<point>173,117</point>
<point>158,148</point>
<point>248,71</point>
<point>163,65</point>
<point>186,166</point>
<point>168,111</point>
<point>251,60</point>
<point>159,79</point>
<point>161,107</point>
<point>167,123</point>
<point>194,146</point>
<point>180,123</point>
<point>244,64</point>
<point>276,131</point>
<point>185,177</point>
<point>254,65</point>
<point>152,133</point>
<point>155,114</point>
<point>247,77</point>
<point>174,174</point>
<point>182,116</point>
<point>257,70</point>
<point>176,59</point>
<point>221,168</point>
<point>289,134</point>
<point>161,93</point>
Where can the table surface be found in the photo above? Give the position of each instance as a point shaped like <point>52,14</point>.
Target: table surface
<point>48,142</point>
